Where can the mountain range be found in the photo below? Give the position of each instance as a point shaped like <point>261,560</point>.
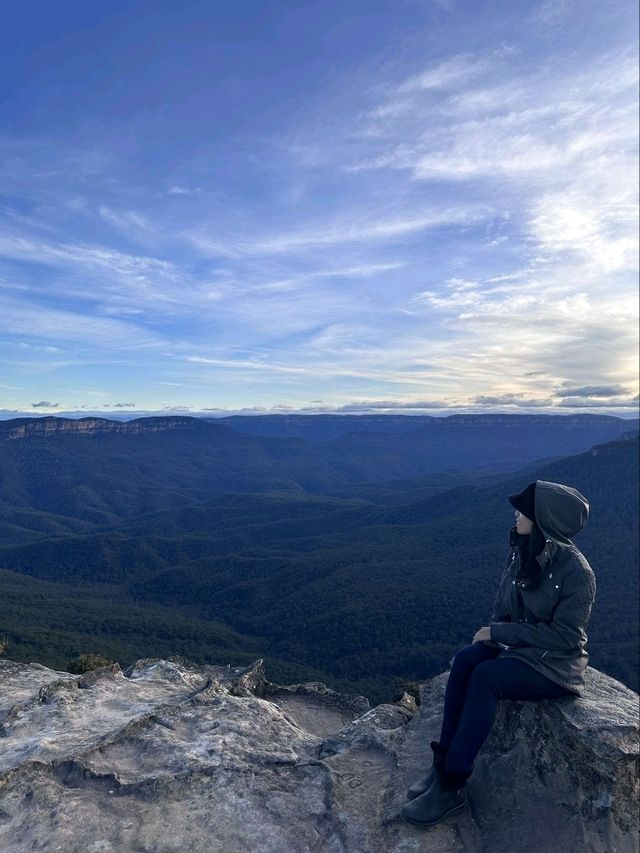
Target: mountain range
<point>355,551</point>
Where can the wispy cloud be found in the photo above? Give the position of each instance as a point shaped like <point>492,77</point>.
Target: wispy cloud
<point>348,231</point>
<point>550,12</point>
<point>134,267</point>
<point>18,317</point>
<point>124,220</point>
<point>177,190</point>
<point>450,73</point>
<point>607,391</point>
<point>304,279</point>
<point>520,128</point>
<point>519,400</point>
<point>589,223</point>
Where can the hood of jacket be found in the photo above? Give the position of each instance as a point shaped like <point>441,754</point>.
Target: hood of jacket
<point>561,511</point>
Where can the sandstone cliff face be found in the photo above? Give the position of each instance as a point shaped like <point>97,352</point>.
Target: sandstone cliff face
<point>49,426</point>
<point>170,756</point>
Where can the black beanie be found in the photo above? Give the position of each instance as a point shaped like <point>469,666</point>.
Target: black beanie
<point>525,501</point>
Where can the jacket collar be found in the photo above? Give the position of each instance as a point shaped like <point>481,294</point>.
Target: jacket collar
<point>548,553</point>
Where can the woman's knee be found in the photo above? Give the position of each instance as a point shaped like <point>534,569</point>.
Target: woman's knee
<point>467,657</point>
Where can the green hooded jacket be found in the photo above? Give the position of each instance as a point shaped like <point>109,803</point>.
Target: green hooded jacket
<point>546,627</point>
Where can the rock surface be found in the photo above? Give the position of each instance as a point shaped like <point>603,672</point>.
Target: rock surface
<point>172,756</point>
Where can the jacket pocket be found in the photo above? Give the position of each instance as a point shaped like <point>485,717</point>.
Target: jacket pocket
<point>541,602</point>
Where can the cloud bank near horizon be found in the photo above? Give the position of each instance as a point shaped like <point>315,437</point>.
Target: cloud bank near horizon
<point>506,404</point>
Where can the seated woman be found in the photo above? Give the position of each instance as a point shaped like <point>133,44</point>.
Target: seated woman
<point>533,649</point>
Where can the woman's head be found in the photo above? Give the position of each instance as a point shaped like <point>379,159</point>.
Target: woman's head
<point>524,504</point>
<point>555,510</point>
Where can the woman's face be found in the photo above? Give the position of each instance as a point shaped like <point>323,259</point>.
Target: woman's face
<point>524,525</point>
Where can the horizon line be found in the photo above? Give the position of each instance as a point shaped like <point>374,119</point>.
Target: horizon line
<point>201,415</point>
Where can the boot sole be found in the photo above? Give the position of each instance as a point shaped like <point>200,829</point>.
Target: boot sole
<point>442,817</point>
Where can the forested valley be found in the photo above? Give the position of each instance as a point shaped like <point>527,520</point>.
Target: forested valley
<point>330,554</point>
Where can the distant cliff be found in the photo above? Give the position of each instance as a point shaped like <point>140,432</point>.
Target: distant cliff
<point>325,427</point>
<point>52,425</point>
<point>170,756</point>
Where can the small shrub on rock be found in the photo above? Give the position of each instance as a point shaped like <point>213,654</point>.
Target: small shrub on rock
<point>87,662</point>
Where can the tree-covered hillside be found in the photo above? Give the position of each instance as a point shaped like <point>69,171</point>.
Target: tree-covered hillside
<point>353,591</point>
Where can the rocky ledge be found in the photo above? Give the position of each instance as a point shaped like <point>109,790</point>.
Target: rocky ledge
<point>172,756</point>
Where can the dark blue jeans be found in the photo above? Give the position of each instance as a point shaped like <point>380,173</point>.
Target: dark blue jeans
<point>478,679</point>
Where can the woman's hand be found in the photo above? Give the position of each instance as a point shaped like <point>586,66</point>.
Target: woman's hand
<point>483,633</point>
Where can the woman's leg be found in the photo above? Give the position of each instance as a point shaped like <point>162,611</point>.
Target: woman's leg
<point>502,678</point>
<point>456,691</point>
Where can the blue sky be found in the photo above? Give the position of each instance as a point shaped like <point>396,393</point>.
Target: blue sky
<point>408,206</point>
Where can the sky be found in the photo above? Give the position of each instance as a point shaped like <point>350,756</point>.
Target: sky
<point>410,207</point>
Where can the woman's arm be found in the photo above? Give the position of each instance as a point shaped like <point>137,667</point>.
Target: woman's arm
<point>568,622</point>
